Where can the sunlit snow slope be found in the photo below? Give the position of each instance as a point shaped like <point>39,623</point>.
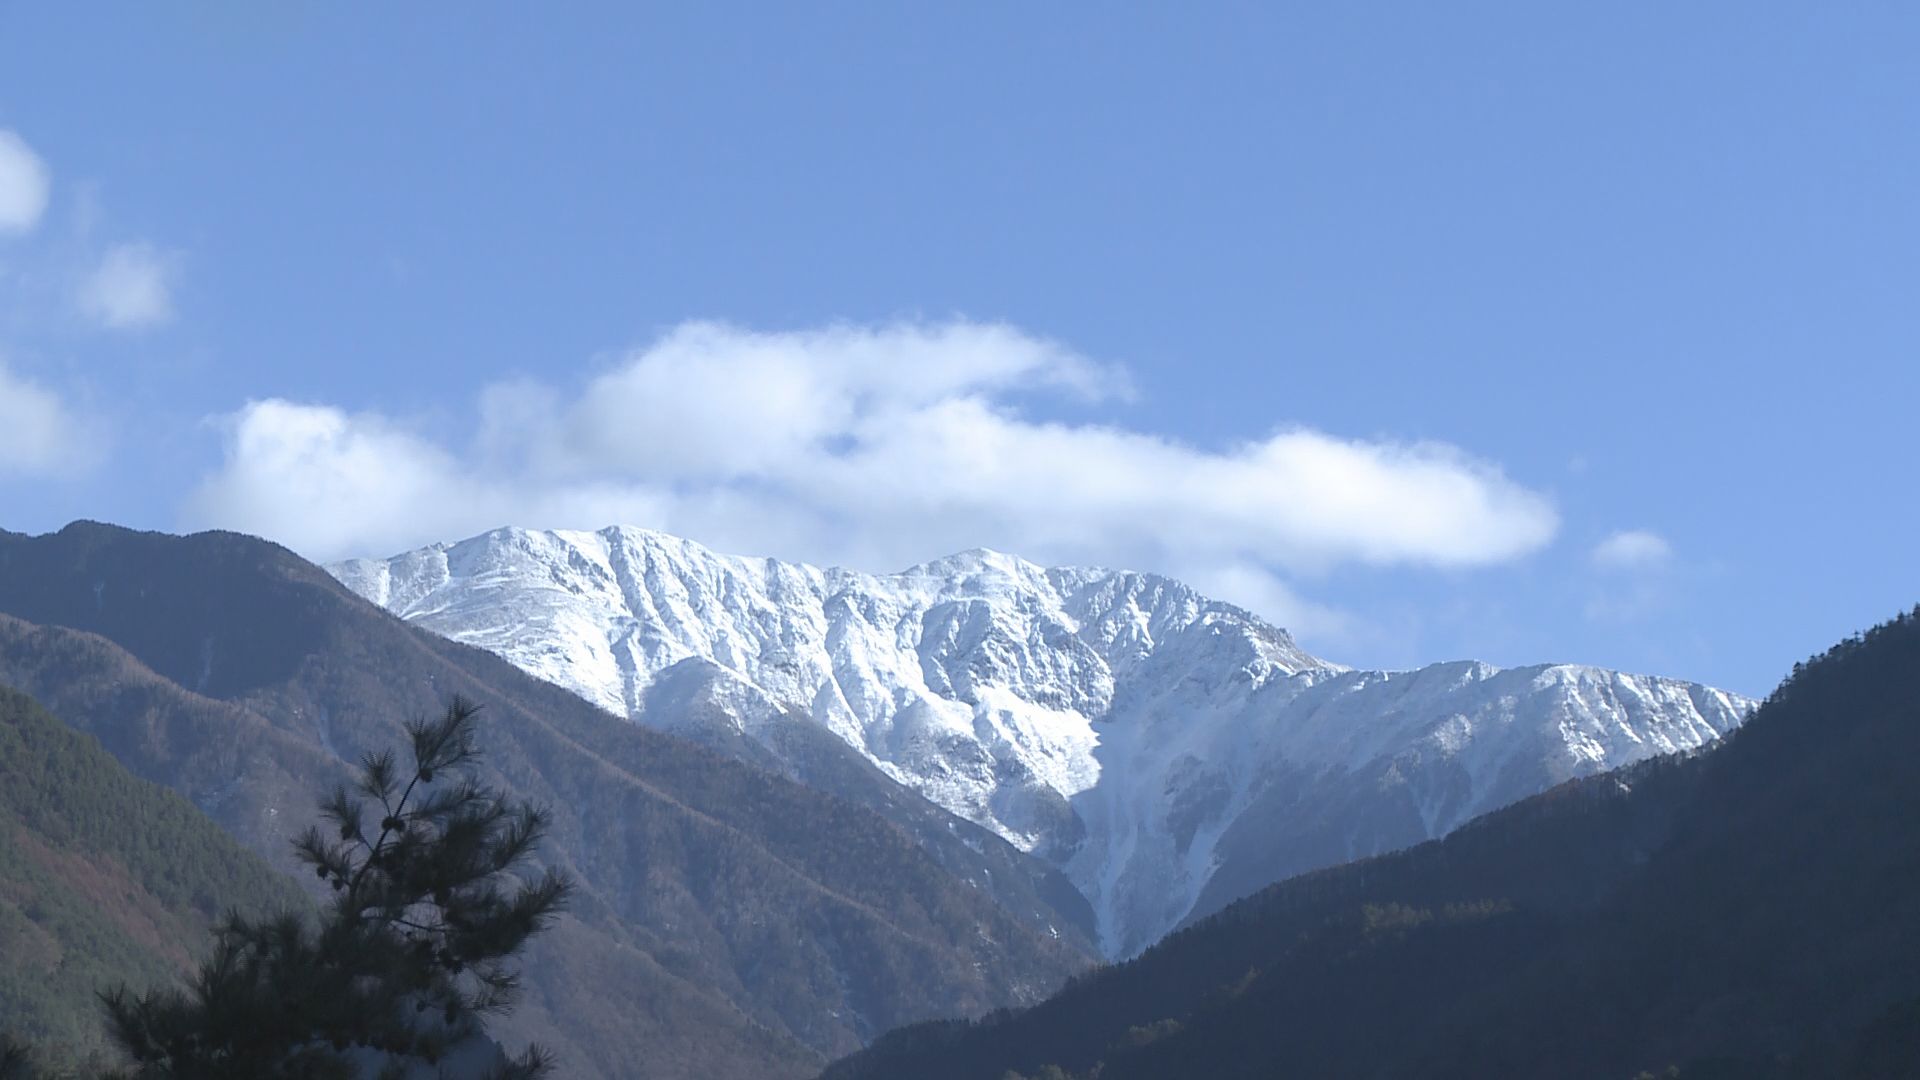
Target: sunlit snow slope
<point>1170,752</point>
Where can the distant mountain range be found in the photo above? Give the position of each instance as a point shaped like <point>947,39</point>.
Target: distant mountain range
<point>1168,752</point>
<point>1743,912</point>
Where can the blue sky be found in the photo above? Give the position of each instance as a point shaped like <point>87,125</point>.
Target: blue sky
<point>1431,330</point>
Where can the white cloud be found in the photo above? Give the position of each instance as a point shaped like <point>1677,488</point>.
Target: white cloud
<point>1636,581</point>
<point>23,185</point>
<point>38,433</point>
<point>131,288</point>
<point>712,402</point>
<point>1632,549</point>
<point>328,482</point>
<point>873,447</point>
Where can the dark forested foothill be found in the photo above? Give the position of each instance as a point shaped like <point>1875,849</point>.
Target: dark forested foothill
<point>105,879</point>
<point>432,898</point>
<point>1748,911</point>
<point>729,921</point>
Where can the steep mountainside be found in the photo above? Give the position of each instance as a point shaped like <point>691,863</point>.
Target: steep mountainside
<point>730,923</point>
<point>1169,752</point>
<point>105,880</point>
<point>1742,912</point>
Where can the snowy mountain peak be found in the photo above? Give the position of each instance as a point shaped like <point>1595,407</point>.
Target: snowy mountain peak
<point>1165,749</point>
<point>978,560</point>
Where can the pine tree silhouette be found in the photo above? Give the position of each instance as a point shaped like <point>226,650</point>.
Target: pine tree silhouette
<point>415,949</point>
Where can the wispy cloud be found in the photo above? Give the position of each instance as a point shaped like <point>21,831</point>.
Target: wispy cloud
<point>131,287</point>
<point>1632,549</point>
<point>40,435</point>
<point>873,447</point>
<point>1636,576</point>
<point>24,185</point>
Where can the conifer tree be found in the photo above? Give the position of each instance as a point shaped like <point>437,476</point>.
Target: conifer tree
<point>416,947</point>
<point>17,1060</point>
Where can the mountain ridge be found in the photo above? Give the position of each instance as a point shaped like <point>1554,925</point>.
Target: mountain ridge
<point>1149,741</point>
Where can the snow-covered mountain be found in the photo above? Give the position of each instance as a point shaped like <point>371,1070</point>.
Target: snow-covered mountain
<point>1168,751</point>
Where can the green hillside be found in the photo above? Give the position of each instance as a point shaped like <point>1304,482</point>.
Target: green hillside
<point>104,878</point>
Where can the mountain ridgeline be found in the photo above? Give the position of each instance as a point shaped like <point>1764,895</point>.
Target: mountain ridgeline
<point>1166,752</point>
<point>1744,911</point>
<point>805,808</point>
<point>728,923</point>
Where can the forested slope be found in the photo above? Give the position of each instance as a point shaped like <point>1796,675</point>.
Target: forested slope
<point>104,879</point>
